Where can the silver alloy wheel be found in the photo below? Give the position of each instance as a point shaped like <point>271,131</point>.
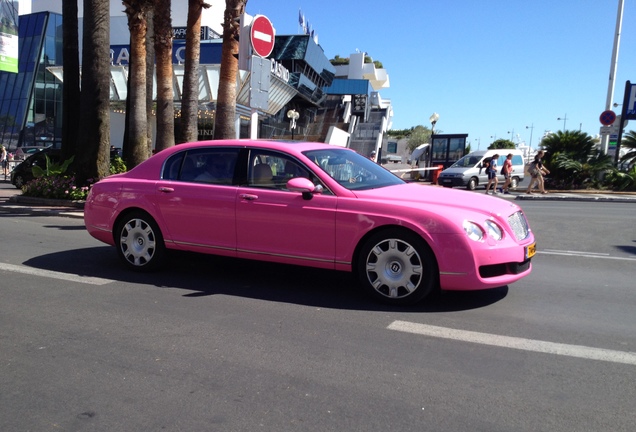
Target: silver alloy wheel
<point>394,268</point>
<point>137,242</point>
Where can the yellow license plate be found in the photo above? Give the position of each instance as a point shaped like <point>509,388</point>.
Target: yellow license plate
<point>531,250</point>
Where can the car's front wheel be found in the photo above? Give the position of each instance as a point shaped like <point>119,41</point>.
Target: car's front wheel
<point>397,267</point>
<point>472,184</point>
<point>18,181</point>
<point>139,241</point>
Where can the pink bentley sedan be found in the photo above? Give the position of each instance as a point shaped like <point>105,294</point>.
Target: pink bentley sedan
<point>314,205</point>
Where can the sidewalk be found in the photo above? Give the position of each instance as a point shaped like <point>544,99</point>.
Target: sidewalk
<point>12,201</point>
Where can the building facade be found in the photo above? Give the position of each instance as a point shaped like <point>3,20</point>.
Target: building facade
<point>340,105</point>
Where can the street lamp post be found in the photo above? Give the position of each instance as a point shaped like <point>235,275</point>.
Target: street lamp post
<point>565,118</point>
<point>292,115</point>
<point>433,119</point>
<point>531,130</point>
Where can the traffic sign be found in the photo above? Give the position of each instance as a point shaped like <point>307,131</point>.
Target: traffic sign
<point>262,35</point>
<point>607,117</point>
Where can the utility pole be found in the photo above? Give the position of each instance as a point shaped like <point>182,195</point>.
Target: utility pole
<point>613,67</point>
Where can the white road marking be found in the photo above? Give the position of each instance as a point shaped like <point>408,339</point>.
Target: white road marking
<point>53,274</point>
<point>579,351</point>
<point>583,254</point>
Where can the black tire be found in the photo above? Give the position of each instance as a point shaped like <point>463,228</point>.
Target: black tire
<point>472,184</point>
<point>139,241</point>
<point>397,267</point>
<point>18,181</point>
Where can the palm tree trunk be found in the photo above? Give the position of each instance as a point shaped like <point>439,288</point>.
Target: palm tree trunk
<point>190,96</point>
<point>71,86</point>
<point>224,119</point>
<point>150,70</point>
<point>136,150</point>
<point>165,95</point>
<point>93,146</point>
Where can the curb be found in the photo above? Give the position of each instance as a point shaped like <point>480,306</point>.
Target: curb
<point>50,202</point>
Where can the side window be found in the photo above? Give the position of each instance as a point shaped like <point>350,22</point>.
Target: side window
<point>207,165</point>
<point>273,170</point>
<point>214,166</point>
<point>172,166</point>
<point>517,160</point>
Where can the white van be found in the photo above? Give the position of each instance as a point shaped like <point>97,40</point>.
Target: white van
<point>468,171</point>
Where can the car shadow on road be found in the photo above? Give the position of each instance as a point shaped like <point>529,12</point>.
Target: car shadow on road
<point>207,275</point>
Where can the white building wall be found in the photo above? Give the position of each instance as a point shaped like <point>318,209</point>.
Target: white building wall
<point>211,17</point>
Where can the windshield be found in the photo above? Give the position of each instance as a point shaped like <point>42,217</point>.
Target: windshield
<point>467,161</point>
<point>351,170</point>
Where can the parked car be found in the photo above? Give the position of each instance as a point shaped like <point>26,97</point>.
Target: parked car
<point>469,171</point>
<point>23,172</point>
<point>315,205</point>
<point>24,152</point>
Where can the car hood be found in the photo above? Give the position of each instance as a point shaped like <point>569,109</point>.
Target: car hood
<point>440,200</point>
<point>456,170</point>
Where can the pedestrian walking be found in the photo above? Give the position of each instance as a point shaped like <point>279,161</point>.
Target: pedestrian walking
<point>3,161</point>
<point>491,171</point>
<point>506,170</point>
<point>537,171</point>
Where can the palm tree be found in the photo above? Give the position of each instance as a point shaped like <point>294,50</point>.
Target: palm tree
<point>190,94</point>
<point>136,149</point>
<point>574,159</point>
<point>150,70</point>
<point>629,142</point>
<point>165,96</point>
<point>577,145</point>
<point>71,72</point>
<point>93,145</point>
<point>226,99</point>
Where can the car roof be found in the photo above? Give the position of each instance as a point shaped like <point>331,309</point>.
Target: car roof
<point>293,147</point>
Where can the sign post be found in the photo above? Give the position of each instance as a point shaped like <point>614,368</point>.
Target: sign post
<point>628,113</point>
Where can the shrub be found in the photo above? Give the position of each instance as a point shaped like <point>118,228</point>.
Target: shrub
<point>117,165</point>
<point>55,186</point>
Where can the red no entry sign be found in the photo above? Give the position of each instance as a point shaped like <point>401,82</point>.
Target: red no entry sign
<point>262,36</point>
<point>607,117</point>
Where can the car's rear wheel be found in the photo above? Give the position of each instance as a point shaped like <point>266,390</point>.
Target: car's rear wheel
<point>139,241</point>
<point>397,267</point>
<point>514,182</point>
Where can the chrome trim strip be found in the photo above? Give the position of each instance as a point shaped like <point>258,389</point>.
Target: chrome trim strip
<point>258,253</point>
<point>201,245</point>
<point>283,256</point>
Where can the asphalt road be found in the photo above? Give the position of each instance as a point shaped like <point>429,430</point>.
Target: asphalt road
<point>217,344</point>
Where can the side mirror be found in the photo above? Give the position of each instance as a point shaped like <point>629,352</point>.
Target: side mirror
<point>301,184</point>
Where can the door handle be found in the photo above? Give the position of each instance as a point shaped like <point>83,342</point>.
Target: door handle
<point>166,189</point>
<point>249,197</point>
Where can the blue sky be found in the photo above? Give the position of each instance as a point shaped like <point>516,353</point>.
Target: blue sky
<point>489,68</point>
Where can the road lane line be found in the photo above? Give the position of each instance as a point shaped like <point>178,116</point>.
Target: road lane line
<point>53,274</point>
<point>523,344</point>
<point>583,255</point>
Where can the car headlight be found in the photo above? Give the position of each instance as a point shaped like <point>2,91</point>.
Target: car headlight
<point>473,231</point>
<point>493,230</point>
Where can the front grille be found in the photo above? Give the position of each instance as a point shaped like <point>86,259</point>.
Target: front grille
<point>495,270</point>
<point>519,225</point>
